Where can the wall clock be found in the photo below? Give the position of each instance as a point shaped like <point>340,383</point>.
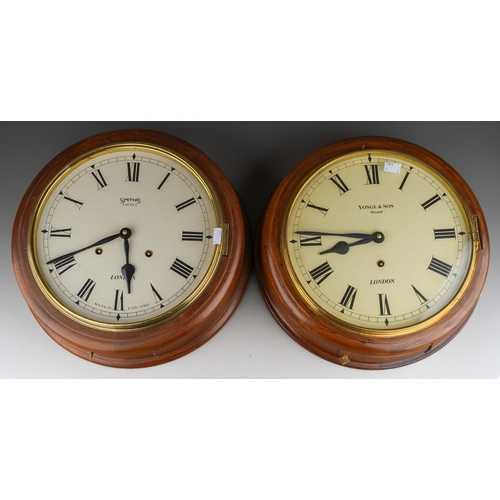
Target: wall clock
<point>131,248</point>
<point>373,253</point>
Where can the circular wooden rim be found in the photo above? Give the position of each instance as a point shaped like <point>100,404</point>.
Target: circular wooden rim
<point>165,341</point>
<point>333,342</point>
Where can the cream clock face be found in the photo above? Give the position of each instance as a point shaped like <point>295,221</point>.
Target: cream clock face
<point>378,241</point>
<point>126,236</point>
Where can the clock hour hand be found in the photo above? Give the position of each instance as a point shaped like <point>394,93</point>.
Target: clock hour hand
<point>128,269</point>
<point>124,233</point>
<point>342,247</point>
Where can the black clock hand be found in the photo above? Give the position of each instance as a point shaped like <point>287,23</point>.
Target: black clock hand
<point>377,236</point>
<point>124,233</point>
<point>342,247</point>
<point>128,269</point>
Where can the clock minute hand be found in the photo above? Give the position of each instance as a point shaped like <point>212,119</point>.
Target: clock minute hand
<point>342,247</point>
<point>375,236</point>
<point>124,233</point>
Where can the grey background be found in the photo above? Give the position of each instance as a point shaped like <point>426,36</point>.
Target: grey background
<point>254,156</point>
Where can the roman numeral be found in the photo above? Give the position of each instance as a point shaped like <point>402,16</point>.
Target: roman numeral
<point>440,234</point>
<point>64,265</point>
<point>404,180</point>
<point>118,300</point>
<point>315,207</point>
<point>431,201</point>
<point>349,297</point>
<point>310,241</point>
<point>419,295</point>
<point>440,267</point>
<point>86,290</point>
<point>372,174</point>
<point>192,236</point>
<point>181,268</point>
<point>185,204</point>
<point>164,180</point>
<point>158,297</point>
<point>133,170</point>
<point>320,273</point>
<point>340,184</point>
<point>76,202</point>
<point>60,233</point>
<point>383,304</point>
<point>101,182</point>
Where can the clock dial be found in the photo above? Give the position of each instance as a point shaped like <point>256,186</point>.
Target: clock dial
<point>372,253</point>
<point>126,236</point>
<point>131,248</point>
<point>377,240</point>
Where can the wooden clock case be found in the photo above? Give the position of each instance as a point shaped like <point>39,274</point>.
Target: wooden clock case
<point>165,341</point>
<point>328,339</point>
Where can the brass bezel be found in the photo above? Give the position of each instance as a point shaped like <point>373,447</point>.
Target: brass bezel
<point>356,329</point>
<point>73,165</point>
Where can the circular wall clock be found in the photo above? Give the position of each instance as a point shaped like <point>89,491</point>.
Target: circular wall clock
<point>373,253</point>
<point>131,248</point>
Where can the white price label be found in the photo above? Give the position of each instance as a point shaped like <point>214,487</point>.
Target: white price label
<point>217,235</point>
<point>392,167</point>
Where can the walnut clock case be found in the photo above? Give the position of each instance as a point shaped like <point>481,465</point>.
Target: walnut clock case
<point>372,253</point>
<point>131,248</point>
